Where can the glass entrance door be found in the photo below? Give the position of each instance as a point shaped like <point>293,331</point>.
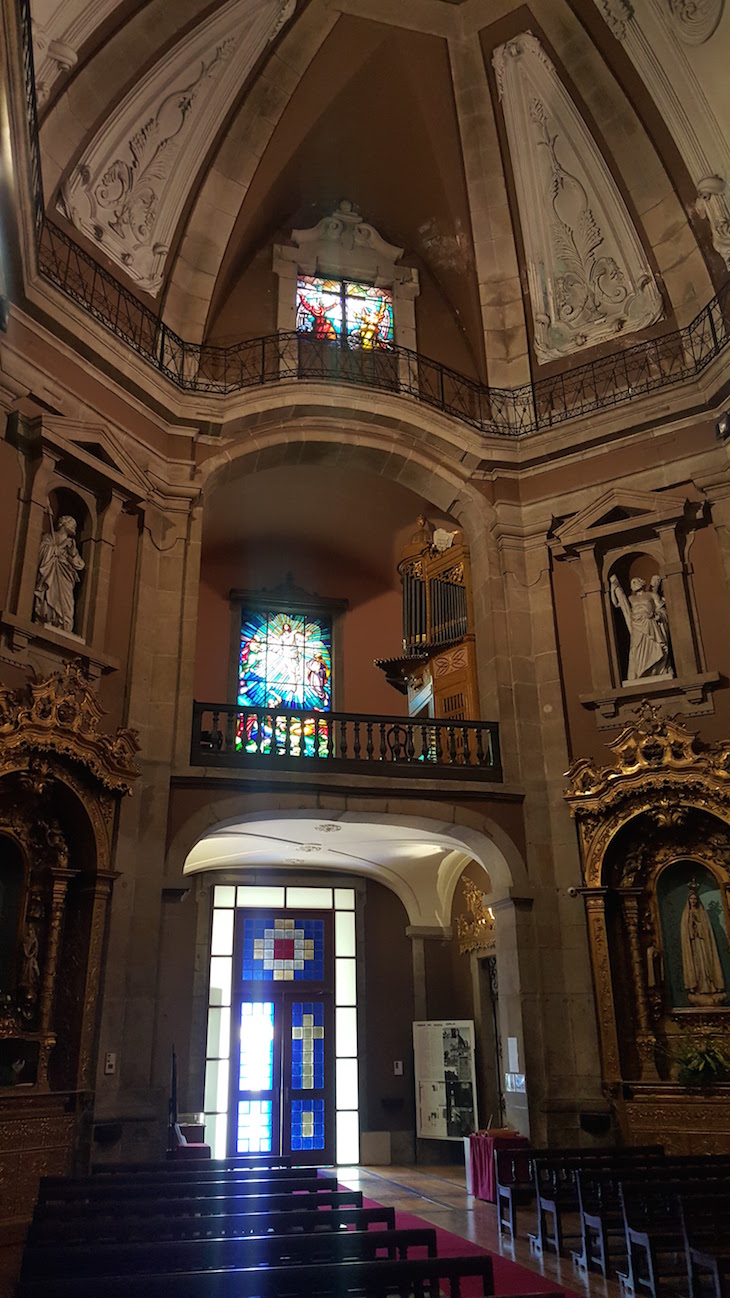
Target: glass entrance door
<point>282,1061</point>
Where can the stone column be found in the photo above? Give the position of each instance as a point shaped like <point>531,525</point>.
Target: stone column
<point>500,289</point>
<point>129,1021</point>
<point>99,891</point>
<point>645,1039</point>
<point>674,589</point>
<point>605,669</point>
<point>103,550</point>
<point>419,935</point>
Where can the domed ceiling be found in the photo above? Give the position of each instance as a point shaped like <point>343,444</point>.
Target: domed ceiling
<point>556,172</point>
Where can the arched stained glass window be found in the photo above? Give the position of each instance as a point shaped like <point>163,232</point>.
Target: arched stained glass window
<point>343,312</point>
<point>285,661</point>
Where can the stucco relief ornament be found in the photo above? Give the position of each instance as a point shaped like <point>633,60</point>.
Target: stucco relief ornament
<point>589,277</point>
<point>695,20</point>
<point>130,186</point>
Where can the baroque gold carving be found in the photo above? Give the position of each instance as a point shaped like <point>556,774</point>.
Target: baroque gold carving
<point>661,768</point>
<point>475,931</point>
<point>61,714</point>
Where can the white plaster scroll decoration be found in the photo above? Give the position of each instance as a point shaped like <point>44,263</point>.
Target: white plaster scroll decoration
<point>695,20</point>
<point>60,28</point>
<point>651,44</point>
<point>128,190</point>
<point>589,276</point>
<point>344,245</point>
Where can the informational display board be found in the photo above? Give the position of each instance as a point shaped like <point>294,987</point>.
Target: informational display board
<point>446,1091</point>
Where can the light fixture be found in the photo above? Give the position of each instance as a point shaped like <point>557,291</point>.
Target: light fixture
<point>722,426</point>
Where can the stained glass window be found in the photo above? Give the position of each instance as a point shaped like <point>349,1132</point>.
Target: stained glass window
<point>307,1062</point>
<point>283,950</point>
<point>341,311</point>
<point>307,1124</point>
<point>285,661</point>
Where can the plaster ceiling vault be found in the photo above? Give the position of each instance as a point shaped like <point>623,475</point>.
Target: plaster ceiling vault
<point>181,142</point>
<point>417,858</point>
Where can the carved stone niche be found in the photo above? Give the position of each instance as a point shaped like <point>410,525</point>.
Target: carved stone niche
<point>637,533</point>
<point>75,470</point>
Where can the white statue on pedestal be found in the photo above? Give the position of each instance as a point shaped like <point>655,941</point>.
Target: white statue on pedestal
<point>59,569</point>
<point>645,613</point>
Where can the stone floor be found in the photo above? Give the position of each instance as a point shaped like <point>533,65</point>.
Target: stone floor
<point>439,1196</point>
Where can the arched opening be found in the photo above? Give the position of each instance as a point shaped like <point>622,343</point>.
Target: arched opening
<point>380,889</point>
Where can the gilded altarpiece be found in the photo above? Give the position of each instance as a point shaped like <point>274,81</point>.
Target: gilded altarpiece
<point>60,782</point>
<point>655,842</point>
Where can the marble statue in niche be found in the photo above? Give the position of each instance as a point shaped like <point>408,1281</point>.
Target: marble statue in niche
<point>647,622</point>
<point>59,571</point>
<point>704,980</point>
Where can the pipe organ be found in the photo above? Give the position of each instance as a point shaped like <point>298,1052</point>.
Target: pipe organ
<point>437,669</point>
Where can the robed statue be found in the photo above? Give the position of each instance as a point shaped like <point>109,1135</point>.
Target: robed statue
<point>59,571</point>
<point>645,614</point>
<point>704,980</point>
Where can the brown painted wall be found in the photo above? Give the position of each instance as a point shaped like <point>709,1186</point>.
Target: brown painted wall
<point>371,626</point>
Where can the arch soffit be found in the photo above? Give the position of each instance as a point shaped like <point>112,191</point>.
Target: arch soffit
<point>402,456</point>
<point>427,894</point>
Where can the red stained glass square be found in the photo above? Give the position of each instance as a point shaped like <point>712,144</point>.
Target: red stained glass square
<point>283,948</point>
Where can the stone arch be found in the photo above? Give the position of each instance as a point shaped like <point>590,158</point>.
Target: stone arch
<point>428,900</point>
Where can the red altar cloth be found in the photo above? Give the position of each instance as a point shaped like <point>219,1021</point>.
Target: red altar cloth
<point>481,1157</point>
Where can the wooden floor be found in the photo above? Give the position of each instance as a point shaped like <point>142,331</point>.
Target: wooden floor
<point>438,1195</point>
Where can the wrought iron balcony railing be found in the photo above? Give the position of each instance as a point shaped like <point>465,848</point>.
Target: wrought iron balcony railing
<point>611,380</point>
<point>227,735</point>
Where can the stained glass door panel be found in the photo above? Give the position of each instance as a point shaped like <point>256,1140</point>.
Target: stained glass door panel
<point>282,1075</point>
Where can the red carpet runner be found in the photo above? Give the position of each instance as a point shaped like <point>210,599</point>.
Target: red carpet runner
<point>509,1277</point>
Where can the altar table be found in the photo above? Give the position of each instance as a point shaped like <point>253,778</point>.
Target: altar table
<point>481,1160</point>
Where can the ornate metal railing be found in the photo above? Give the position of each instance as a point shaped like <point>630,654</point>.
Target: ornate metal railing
<point>228,735</point>
<point>512,412</point>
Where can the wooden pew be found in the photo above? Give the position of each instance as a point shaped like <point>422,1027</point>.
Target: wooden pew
<point>556,1189</point>
<point>82,1229</point>
<point>516,1184</point>
<point>210,1167</point>
<point>705,1222</point>
<point>417,1277</point>
<point>179,1205</point>
<point>93,1189</point>
<point>655,1241</point>
<point>137,1259</point>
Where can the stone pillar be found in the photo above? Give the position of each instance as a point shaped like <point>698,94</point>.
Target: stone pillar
<point>605,669</point>
<point>99,890</point>
<point>675,592</point>
<point>519,1012</point>
<point>129,1021</point>
<point>500,288</point>
<point>103,550</point>
<point>419,935</point>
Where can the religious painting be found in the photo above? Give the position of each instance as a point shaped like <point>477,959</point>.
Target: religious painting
<point>694,930</point>
<point>355,316</point>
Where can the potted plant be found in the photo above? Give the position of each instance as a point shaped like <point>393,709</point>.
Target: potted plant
<point>701,1063</point>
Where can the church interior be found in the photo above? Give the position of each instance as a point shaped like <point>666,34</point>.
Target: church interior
<point>364,557</point>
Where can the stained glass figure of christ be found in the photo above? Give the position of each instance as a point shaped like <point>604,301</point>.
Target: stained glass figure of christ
<point>341,311</point>
<point>285,663</point>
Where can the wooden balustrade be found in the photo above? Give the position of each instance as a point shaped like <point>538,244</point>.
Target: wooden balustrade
<point>229,735</point>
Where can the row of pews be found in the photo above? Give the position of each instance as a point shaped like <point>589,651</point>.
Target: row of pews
<point>659,1223</point>
<point>223,1230</point>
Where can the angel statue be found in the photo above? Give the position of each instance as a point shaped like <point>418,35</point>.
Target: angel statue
<point>59,571</point>
<point>645,614</point>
